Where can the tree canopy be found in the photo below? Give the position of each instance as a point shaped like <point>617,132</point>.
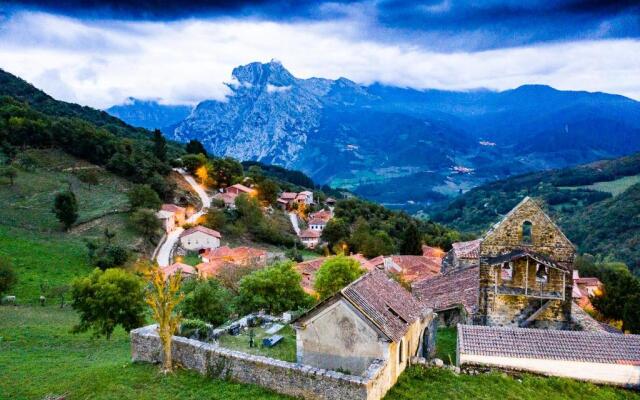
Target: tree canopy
<point>336,273</point>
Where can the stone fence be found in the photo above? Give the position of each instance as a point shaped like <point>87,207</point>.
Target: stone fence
<point>284,377</point>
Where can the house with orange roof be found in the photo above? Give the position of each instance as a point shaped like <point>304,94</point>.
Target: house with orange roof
<point>410,268</point>
<point>229,199</point>
<point>310,238</point>
<point>167,219</point>
<point>239,188</point>
<point>200,237</point>
<point>180,213</point>
<point>185,269</point>
<point>238,255</point>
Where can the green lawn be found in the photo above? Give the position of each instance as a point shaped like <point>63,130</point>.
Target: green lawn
<point>39,357</point>
<point>446,341</point>
<point>52,259</point>
<point>285,350</point>
<point>614,187</point>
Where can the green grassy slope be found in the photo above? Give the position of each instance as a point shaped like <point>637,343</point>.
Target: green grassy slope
<point>40,357</point>
<point>32,238</point>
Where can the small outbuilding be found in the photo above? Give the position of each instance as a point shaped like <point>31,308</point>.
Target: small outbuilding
<point>373,318</point>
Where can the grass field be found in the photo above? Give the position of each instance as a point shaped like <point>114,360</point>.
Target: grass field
<point>614,187</point>
<point>447,338</point>
<point>285,350</point>
<point>39,357</point>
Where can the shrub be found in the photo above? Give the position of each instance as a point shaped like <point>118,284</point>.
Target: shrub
<point>143,196</point>
<point>275,289</point>
<point>8,276</point>
<point>206,300</point>
<point>336,273</point>
<point>88,176</point>
<point>65,206</point>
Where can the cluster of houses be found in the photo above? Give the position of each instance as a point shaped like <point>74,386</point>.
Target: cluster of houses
<point>316,223</point>
<point>517,277</point>
<point>513,294</point>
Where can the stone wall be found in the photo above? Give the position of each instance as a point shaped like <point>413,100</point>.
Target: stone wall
<point>284,377</point>
<point>546,239</point>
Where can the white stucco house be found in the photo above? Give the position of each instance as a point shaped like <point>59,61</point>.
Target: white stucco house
<point>317,224</point>
<point>200,237</point>
<point>168,220</point>
<point>310,238</point>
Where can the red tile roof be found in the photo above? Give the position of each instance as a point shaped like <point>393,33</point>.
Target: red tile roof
<point>169,270</point>
<point>210,269</point>
<point>241,254</point>
<point>241,188</point>
<point>322,214</point>
<point>173,208</point>
<point>317,221</point>
<point>310,234</point>
<point>203,229</point>
<point>384,302</point>
<point>413,268</point>
<point>593,347</point>
<point>288,195</point>
<point>429,251</point>
<point>470,249</point>
<point>460,287</point>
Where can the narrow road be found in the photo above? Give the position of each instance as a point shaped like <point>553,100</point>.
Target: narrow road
<point>294,222</point>
<point>164,254</point>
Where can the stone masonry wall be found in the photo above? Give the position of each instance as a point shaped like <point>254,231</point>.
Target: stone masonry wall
<point>284,377</point>
<point>546,239</point>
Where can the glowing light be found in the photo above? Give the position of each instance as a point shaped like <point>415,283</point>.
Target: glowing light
<point>202,174</point>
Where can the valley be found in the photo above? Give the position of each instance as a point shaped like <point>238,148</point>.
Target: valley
<point>405,148</point>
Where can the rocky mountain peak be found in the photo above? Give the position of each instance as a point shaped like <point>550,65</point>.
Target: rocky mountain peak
<point>261,74</point>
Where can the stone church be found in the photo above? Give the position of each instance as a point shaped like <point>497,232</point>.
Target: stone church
<point>519,274</point>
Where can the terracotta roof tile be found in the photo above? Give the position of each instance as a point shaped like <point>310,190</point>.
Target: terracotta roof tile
<point>311,234</point>
<point>203,229</point>
<point>469,250</point>
<point>460,287</point>
<point>385,302</point>
<point>173,208</point>
<point>581,346</point>
<point>186,269</point>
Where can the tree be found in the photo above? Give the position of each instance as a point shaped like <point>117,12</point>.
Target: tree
<point>9,172</point>
<point>275,289</point>
<point>60,292</point>
<point>65,206</point>
<point>268,191</point>
<point>192,162</point>
<point>106,299</point>
<point>336,231</point>
<point>229,275</point>
<point>620,294</point>
<point>163,298</point>
<point>377,244</point>
<point>143,196</point>
<point>8,276</point>
<point>195,147</point>
<point>159,145</point>
<point>336,273</point>
<point>249,210</point>
<point>146,222</point>
<point>411,241</point>
<point>206,300</point>
<point>215,219</point>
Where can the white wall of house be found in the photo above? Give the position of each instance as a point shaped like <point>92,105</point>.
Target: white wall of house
<point>318,227</point>
<point>338,338</point>
<point>617,374</point>
<point>199,240</point>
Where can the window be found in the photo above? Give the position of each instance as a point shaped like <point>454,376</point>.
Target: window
<point>526,232</point>
<point>400,352</point>
<point>507,271</point>
<point>541,273</point>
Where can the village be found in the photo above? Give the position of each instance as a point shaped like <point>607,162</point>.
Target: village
<point>513,297</point>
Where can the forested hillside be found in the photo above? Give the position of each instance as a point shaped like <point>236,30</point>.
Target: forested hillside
<point>597,205</point>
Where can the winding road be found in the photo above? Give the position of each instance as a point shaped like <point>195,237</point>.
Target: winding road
<point>164,254</point>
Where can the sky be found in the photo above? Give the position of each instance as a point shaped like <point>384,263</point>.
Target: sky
<point>99,53</point>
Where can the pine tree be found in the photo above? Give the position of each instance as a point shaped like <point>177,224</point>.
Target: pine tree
<point>159,145</point>
<point>411,241</point>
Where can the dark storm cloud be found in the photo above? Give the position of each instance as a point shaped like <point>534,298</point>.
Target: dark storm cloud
<point>438,24</point>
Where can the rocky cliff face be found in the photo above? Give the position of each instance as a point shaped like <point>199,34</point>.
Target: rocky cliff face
<point>267,117</point>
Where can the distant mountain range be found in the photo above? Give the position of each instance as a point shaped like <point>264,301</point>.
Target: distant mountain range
<point>398,146</point>
<point>149,114</point>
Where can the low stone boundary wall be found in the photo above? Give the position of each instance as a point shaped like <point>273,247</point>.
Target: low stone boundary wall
<point>284,377</point>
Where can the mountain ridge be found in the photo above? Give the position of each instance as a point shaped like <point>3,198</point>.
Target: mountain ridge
<point>406,146</point>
